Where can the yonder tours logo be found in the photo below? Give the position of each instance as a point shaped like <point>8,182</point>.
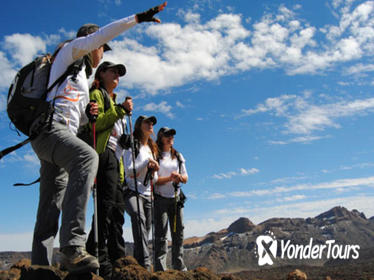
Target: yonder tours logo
<point>267,248</point>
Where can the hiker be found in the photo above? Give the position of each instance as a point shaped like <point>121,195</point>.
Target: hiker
<point>68,164</point>
<point>110,125</point>
<point>168,201</point>
<point>138,195</point>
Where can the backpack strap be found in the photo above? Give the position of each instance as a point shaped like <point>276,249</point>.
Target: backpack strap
<point>136,145</point>
<point>25,185</point>
<point>177,154</point>
<point>74,69</point>
<point>15,147</point>
<point>106,98</point>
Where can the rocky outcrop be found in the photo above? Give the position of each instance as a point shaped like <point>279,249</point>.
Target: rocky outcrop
<point>241,225</point>
<point>236,250</point>
<point>124,268</point>
<point>297,275</point>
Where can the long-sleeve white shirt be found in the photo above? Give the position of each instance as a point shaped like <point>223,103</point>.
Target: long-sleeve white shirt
<point>71,98</point>
<point>141,167</point>
<point>167,166</point>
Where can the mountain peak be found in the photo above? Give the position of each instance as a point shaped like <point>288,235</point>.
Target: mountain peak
<point>340,213</point>
<point>241,225</point>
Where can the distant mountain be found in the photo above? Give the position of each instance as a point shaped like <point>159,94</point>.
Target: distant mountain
<point>241,225</point>
<point>234,249</point>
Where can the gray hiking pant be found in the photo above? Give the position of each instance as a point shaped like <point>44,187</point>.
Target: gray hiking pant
<point>141,251</point>
<point>67,173</point>
<point>165,211</point>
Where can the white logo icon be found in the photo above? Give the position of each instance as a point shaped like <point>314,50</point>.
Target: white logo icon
<point>267,249</point>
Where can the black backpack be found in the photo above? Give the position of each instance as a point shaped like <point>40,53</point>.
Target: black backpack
<point>27,97</point>
<point>27,94</point>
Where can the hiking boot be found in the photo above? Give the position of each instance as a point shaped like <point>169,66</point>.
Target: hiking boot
<point>75,259</point>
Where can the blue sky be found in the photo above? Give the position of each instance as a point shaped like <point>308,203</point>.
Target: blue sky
<point>272,102</point>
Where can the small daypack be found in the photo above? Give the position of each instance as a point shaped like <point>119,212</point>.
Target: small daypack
<point>27,94</point>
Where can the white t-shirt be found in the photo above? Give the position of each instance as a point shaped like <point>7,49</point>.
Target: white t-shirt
<point>73,97</point>
<point>167,166</point>
<point>141,163</point>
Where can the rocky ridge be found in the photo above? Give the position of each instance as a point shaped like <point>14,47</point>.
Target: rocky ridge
<point>234,249</point>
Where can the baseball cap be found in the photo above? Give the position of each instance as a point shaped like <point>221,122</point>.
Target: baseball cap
<point>166,131</point>
<point>140,119</point>
<point>106,65</point>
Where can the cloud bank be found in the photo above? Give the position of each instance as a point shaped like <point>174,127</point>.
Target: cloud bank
<point>198,50</point>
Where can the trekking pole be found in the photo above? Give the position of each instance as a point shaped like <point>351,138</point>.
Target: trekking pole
<point>153,225</point>
<point>175,207</point>
<point>94,194</point>
<point>132,144</point>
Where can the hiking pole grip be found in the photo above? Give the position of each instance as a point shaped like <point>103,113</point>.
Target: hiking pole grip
<point>91,117</point>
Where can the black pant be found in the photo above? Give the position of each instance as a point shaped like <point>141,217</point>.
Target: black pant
<point>110,213</point>
<point>116,243</point>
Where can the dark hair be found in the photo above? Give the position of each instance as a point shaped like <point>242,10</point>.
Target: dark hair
<point>138,135</point>
<point>161,148</point>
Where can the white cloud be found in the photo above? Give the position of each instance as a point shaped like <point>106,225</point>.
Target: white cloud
<point>360,68</point>
<point>303,117</point>
<point>302,139</point>
<point>337,184</point>
<point>66,33</point>
<point>31,159</point>
<point>241,171</point>
<point>23,47</point>
<point>200,227</point>
<point>3,102</point>
<point>7,73</point>
<point>216,196</point>
<point>196,50</point>
<point>302,209</point>
<point>248,171</point>
<point>292,198</point>
<point>28,158</point>
<point>16,241</point>
<point>179,104</point>
<point>226,175</point>
<point>162,107</point>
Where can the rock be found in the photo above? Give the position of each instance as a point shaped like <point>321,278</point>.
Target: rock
<point>86,276</point>
<point>36,272</point>
<point>128,268</point>
<point>22,264</point>
<point>297,275</point>
<point>125,261</point>
<point>25,271</point>
<point>9,275</point>
<point>229,277</point>
<point>204,273</point>
<point>172,275</point>
<point>358,213</point>
<point>241,225</point>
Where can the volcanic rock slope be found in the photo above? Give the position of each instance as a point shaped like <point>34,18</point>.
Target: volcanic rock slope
<point>234,249</point>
